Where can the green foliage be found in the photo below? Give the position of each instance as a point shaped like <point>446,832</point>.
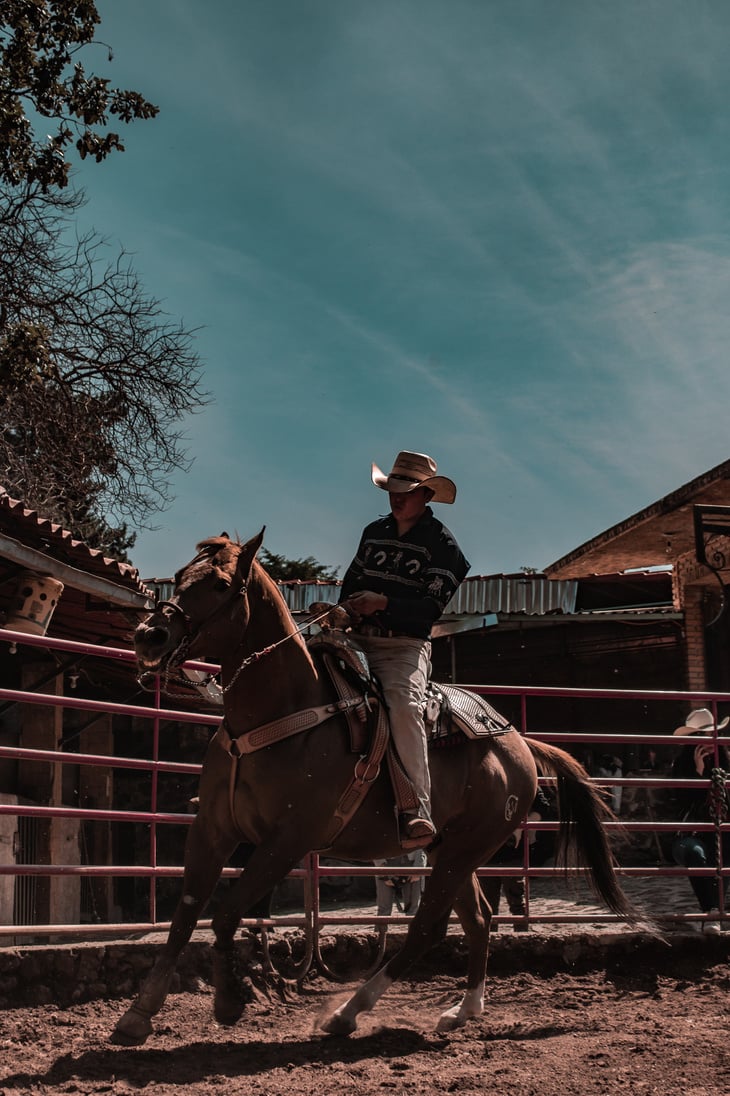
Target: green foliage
<point>282,569</point>
<point>41,78</point>
<point>24,356</point>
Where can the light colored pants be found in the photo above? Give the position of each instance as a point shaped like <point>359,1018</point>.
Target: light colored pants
<point>403,889</point>
<point>401,664</point>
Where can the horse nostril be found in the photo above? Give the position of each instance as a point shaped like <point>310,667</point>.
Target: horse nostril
<point>153,637</point>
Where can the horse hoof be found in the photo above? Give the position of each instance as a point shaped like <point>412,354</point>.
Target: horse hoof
<point>132,1030</point>
<point>451,1020</point>
<point>228,1013</point>
<point>338,1025</point>
<point>232,993</point>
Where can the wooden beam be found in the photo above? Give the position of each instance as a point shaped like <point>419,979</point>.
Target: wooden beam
<point>72,576</point>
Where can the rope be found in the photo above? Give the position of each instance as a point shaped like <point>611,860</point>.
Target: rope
<point>718,812</point>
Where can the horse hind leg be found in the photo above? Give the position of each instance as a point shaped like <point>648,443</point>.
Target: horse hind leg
<point>344,1020</point>
<point>425,930</point>
<point>474,909</point>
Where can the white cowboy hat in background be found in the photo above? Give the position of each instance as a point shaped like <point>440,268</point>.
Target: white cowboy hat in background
<point>412,470</point>
<point>700,721</point>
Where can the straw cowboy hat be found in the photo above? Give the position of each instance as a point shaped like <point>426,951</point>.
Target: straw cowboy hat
<point>412,470</point>
<point>701,721</point>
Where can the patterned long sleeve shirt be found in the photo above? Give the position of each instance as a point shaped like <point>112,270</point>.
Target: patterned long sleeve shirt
<point>419,573</point>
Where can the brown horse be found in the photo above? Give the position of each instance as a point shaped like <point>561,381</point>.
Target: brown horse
<point>226,608</point>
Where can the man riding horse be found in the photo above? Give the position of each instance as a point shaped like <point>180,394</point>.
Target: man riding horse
<point>280,772</point>
<point>406,570</point>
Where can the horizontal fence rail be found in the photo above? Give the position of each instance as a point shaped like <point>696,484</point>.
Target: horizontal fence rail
<point>311,914</point>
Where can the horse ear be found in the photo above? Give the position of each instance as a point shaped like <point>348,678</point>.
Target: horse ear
<point>248,554</point>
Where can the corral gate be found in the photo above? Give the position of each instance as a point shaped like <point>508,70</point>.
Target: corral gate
<point>28,874</point>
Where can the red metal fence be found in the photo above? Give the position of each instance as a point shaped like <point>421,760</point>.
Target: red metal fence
<point>26,871</point>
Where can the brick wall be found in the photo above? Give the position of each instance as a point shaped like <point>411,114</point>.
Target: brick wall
<point>691,600</point>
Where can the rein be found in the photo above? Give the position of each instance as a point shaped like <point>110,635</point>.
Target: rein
<point>250,659</point>
<point>718,811</point>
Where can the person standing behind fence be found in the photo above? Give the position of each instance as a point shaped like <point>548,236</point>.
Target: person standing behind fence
<point>608,765</point>
<point>699,849</point>
<point>401,888</point>
<point>511,854</point>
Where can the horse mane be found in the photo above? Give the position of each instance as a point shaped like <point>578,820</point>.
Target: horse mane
<point>222,552</point>
<point>206,559</point>
<point>210,548</point>
<point>270,590</point>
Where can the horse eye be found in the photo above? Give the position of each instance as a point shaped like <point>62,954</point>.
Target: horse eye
<point>221,585</point>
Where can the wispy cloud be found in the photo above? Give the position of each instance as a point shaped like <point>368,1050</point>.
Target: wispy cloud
<point>496,229</point>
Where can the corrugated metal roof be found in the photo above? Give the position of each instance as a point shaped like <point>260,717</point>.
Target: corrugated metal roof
<point>534,595</point>
<point>300,595</point>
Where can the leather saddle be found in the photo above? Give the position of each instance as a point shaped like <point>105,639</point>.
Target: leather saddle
<point>451,713</point>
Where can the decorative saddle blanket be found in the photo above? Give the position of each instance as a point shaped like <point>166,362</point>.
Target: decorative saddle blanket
<point>452,712</point>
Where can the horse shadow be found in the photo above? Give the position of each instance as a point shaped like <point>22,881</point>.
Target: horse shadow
<point>197,1062</point>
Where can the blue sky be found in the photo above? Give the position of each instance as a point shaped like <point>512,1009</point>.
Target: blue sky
<point>497,232</point>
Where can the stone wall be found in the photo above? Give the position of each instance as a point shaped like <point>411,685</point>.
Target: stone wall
<point>67,974</point>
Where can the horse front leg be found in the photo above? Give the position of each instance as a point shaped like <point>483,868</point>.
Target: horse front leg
<point>268,865</point>
<point>474,908</point>
<point>203,867</point>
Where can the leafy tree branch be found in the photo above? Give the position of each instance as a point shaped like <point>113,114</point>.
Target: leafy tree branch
<point>41,79</point>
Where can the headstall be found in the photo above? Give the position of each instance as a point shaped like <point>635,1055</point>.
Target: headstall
<point>177,657</point>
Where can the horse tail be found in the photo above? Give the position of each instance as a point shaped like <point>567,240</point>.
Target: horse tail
<point>582,840</point>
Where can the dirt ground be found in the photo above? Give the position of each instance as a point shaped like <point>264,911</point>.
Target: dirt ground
<point>628,1029</point>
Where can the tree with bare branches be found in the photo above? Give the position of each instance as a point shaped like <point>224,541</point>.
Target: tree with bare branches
<point>95,379</point>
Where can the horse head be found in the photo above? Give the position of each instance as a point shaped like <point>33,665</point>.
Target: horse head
<point>210,590</point>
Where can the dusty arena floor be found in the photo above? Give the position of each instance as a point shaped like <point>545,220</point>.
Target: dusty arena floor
<point>569,1012</point>
<point>628,1030</point>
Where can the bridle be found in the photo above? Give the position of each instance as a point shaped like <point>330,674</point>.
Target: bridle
<point>177,657</point>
